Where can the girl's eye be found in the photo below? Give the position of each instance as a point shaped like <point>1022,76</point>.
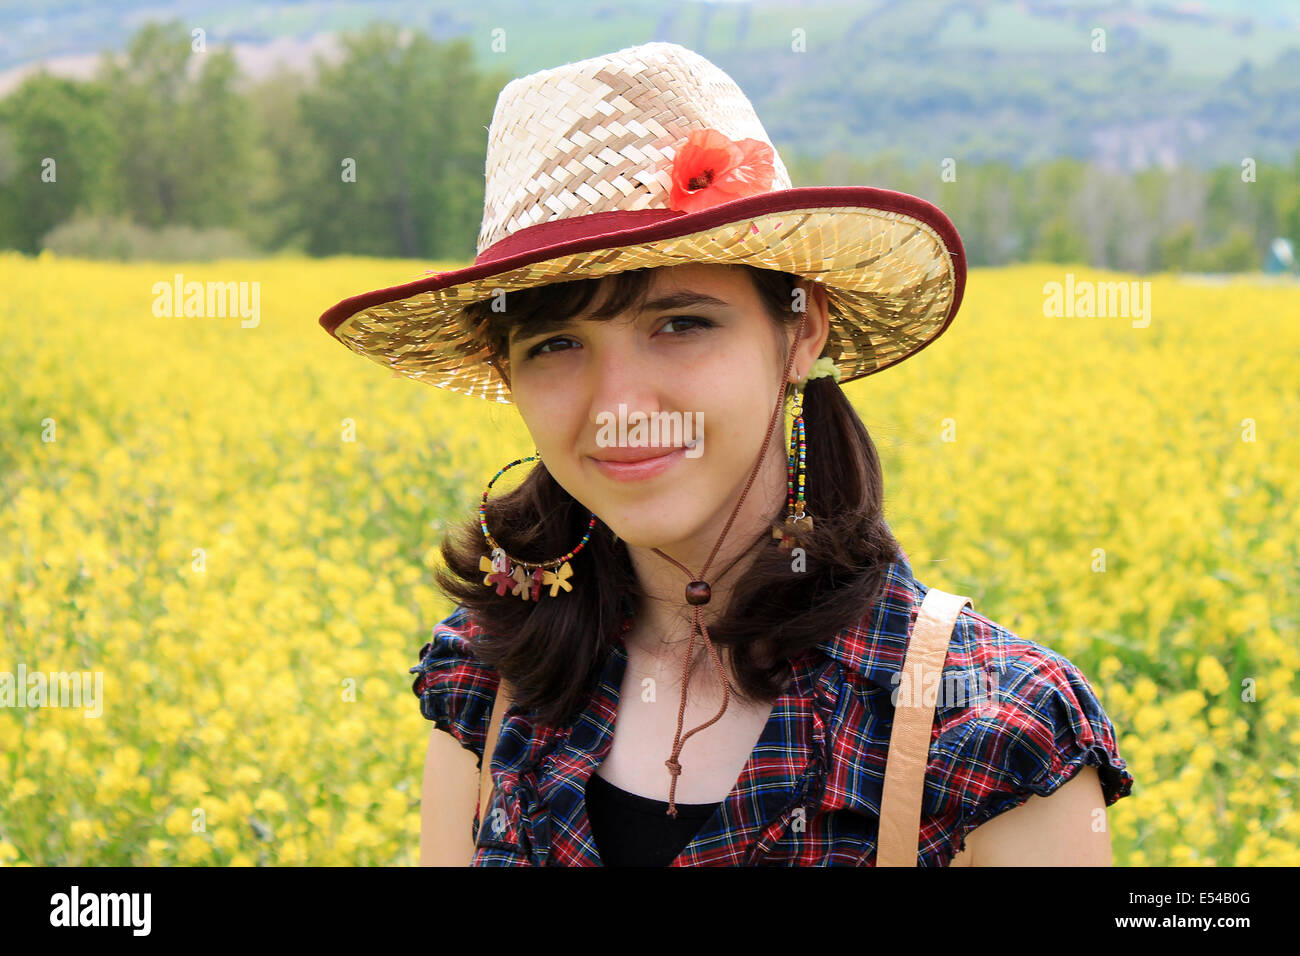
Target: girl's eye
<point>540,348</point>
<point>699,322</point>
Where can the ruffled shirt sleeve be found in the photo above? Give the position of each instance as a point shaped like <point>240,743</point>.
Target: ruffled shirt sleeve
<point>1040,724</point>
<point>455,688</point>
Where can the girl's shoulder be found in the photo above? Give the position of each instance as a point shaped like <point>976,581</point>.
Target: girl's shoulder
<point>455,688</point>
<point>1006,696</point>
<point>1014,718</point>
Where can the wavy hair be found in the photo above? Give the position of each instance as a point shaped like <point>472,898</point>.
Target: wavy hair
<point>551,651</point>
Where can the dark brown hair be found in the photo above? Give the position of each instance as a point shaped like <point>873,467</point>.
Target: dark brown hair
<point>551,651</point>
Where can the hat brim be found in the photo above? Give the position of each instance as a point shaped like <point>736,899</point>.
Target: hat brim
<point>892,265</point>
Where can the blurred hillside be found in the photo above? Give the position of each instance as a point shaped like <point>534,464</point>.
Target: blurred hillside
<point>1019,82</point>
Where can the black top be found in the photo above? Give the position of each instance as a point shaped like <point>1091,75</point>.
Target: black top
<point>632,830</point>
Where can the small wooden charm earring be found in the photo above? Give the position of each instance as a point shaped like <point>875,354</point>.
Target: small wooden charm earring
<point>498,571</point>
<point>558,579</point>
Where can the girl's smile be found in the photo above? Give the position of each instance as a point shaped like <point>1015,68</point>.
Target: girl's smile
<point>635,464</point>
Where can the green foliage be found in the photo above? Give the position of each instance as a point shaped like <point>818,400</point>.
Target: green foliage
<point>110,237</point>
<point>1236,253</point>
<point>185,140</point>
<point>168,147</point>
<point>56,146</point>
<point>1174,251</point>
<point>405,118</point>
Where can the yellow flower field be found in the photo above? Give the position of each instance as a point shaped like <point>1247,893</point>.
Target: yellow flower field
<point>236,527</point>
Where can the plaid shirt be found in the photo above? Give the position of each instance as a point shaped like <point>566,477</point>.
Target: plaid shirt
<point>810,793</point>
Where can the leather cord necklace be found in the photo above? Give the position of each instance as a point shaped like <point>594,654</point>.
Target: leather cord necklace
<point>698,594</point>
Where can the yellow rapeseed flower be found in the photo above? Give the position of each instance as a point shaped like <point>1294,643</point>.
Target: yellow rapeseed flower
<point>1210,675</point>
<point>23,787</point>
<point>81,830</point>
<point>178,822</point>
<point>225,633</point>
<point>270,801</point>
<point>195,849</point>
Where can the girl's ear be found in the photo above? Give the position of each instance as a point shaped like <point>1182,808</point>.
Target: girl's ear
<point>822,312</point>
<point>816,326</point>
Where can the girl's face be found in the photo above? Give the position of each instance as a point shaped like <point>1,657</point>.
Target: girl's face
<point>702,360</point>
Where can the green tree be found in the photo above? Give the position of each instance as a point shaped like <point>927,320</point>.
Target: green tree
<point>282,198</point>
<point>1174,248</point>
<point>409,116</point>
<point>56,146</point>
<point>1057,235</point>
<point>1236,253</point>
<point>186,140</point>
<point>1059,240</point>
<point>1288,204</point>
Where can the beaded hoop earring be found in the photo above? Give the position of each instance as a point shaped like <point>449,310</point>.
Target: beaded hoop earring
<point>509,574</point>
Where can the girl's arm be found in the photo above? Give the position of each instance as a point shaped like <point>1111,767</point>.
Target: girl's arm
<point>447,803</point>
<point>1068,828</point>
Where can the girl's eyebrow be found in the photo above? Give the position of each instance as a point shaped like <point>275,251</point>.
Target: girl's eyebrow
<point>680,299</point>
<point>543,325</point>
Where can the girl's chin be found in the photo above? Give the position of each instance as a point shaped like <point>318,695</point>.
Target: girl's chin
<point>656,537</point>
<point>652,525</point>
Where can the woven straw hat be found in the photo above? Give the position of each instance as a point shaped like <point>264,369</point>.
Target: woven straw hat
<point>648,157</point>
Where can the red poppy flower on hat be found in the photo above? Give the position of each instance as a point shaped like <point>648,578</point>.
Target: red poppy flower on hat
<point>710,169</point>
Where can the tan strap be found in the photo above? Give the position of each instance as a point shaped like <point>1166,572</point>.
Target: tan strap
<point>909,740</point>
<point>485,783</point>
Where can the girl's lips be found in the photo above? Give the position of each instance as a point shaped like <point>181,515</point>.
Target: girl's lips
<point>637,470</point>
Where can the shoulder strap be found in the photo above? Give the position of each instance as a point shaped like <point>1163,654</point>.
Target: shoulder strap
<point>909,740</point>
<point>499,705</point>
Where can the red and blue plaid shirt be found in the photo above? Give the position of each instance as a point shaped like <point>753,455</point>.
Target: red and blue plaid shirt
<point>810,793</point>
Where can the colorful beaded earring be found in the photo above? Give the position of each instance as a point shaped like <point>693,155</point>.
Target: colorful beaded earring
<point>796,518</point>
<point>509,574</point>
<point>795,470</point>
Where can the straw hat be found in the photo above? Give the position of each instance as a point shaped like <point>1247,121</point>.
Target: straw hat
<point>652,156</point>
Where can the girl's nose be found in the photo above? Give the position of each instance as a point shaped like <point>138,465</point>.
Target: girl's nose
<point>621,375</point>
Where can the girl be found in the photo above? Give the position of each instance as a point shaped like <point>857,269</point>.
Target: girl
<point>703,644</point>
